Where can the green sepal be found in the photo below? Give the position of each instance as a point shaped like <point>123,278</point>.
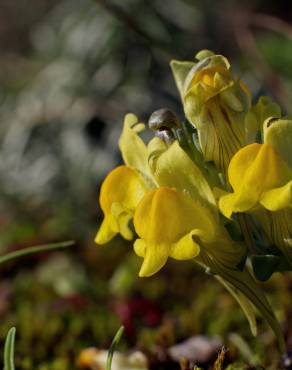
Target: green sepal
<point>265,265</point>
<point>180,71</point>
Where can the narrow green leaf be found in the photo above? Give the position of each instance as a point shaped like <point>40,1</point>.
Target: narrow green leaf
<point>112,348</point>
<point>244,303</point>
<point>246,284</point>
<point>37,249</point>
<point>9,350</point>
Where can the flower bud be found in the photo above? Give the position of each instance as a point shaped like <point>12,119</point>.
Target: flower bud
<point>215,102</point>
<point>163,121</point>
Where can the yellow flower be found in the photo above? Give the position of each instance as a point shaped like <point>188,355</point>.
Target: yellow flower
<point>216,103</point>
<point>261,179</point>
<point>168,223</point>
<point>125,186</point>
<point>120,194</point>
<point>258,175</point>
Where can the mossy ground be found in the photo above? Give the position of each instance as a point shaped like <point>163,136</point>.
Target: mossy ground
<point>66,301</point>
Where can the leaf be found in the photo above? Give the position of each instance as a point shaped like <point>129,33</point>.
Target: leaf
<point>9,350</point>
<point>37,249</point>
<point>112,348</point>
<point>246,284</point>
<point>244,303</point>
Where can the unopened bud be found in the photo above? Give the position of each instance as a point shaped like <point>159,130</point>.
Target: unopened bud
<point>163,119</point>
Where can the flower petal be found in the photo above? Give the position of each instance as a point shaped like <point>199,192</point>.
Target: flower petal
<point>166,221</point>
<point>233,203</point>
<point>165,215</point>
<point>120,193</point>
<point>122,217</point>
<point>278,198</point>
<point>140,247</point>
<point>250,179</point>
<point>249,166</point>
<point>155,258</point>
<point>133,149</point>
<point>185,248</point>
<point>171,166</point>
<point>107,230</point>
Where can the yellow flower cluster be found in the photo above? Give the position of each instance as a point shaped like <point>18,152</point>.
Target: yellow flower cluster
<point>229,164</point>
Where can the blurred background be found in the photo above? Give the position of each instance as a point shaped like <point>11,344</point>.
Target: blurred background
<point>69,71</point>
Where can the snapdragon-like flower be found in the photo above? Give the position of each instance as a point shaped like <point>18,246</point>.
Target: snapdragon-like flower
<point>120,194</point>
<point>261,178</point>
<point>216,103</point>
<point>125,186</point>
<point>167,222</point>
<point>258,175</point>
